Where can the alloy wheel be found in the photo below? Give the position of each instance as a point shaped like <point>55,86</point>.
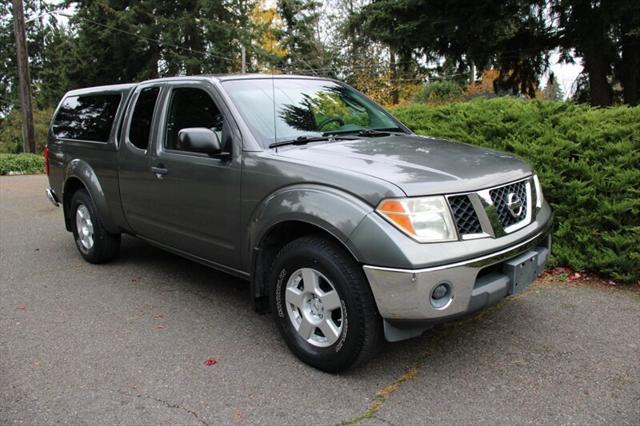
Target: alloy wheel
<point>314,307</point>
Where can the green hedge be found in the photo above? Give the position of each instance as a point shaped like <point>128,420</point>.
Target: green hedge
<point>439,91</point>
<point>11,130</point>
<point>588,160</point>
<point>21,163</point>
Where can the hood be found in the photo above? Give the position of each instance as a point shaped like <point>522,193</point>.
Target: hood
<point>418,165</point>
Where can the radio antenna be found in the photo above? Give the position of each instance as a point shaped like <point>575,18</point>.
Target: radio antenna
<point>273,97</point>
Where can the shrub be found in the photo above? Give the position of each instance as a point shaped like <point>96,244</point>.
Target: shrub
<point>587,159</point>
<point>438,92</point>
<point>21,163</point>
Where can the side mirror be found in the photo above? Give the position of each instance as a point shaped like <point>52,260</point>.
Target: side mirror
<point>200,139</point>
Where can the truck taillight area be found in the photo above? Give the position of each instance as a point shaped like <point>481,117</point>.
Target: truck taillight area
<point>45,153</point>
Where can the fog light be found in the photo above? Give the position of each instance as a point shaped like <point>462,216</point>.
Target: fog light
<point>441,296</point>
<point>440,291</point>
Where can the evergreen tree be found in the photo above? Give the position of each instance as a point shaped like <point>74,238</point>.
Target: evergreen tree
<point>8,65</point>
<point>606,34</point>
<point>52,81</point>
<point>381,46</point>
<point>552,91</point>
<point>266,47</point>
<point>45,47</point>
<point>627,63</point>
<point>585,27</point>
<point>299,36</point>
<point>513,35</point>
<point>136,40</point>
<point>116,42</point>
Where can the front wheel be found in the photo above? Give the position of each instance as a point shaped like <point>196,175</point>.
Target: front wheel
<point>323,305</point>
<point>94,242</point>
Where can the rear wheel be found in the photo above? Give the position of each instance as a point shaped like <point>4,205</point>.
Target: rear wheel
<point>323,305</point>
<point>94,242</point>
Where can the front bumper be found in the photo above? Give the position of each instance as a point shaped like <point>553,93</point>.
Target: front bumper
<point>404,296</point>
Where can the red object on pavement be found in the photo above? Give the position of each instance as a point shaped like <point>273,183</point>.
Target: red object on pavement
<point>210,361</point>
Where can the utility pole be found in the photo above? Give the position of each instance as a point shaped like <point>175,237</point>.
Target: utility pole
<point>24,79</point>
<point>244,58</point>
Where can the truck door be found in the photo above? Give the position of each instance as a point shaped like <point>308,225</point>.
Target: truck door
<point>139,129</point>
<point>191,200</point>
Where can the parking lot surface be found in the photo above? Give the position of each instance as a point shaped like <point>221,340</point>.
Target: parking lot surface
<point>128,343</point>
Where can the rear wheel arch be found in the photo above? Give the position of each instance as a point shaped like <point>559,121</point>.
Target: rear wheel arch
<point>80,175</point>
<point>71,185</point>
<point>94,242</point>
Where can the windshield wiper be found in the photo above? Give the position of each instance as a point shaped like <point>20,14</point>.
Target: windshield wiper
<point>303,140</point>
<point>367,133</point>
<point>372,133</point>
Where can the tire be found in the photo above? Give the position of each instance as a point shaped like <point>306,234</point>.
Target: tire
<point>340,331</point>
<point>94,242</point>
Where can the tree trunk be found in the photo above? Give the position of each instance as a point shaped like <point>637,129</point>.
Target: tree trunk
<point>600,91</point>
<point>395,95</point>
<point>405,71</point>
<point>24,79</point>
<point>591,38</point>
<point>193,40</point>
<point>154,60</point>
<point>630,72</point>
<point>630,68</point>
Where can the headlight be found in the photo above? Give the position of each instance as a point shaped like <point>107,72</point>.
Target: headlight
<point>426,219</point>
<point>539,196</point>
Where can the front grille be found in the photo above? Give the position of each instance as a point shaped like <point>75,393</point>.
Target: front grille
<point>464,215</point>
<point>500,197</point>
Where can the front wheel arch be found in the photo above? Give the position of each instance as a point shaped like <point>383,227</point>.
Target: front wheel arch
<point>356,333</point>
<point>272,241</point>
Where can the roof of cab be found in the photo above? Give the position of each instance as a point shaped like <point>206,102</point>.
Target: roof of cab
<point>226,77</point>
<point>113,88</point>
<point>119,88</point>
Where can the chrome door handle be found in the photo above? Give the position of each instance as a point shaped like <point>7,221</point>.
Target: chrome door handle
<point>159,171</point>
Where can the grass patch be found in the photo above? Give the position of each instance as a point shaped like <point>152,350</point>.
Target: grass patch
<point>26,164</point>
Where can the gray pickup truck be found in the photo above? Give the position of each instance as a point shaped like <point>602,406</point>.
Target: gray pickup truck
<point>349,227</point>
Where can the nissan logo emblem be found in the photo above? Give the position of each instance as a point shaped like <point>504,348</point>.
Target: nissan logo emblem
<point>514,204</point>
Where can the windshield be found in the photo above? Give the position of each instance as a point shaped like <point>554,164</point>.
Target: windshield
<point>304,108</point>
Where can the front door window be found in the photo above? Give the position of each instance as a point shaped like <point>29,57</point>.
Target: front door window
<point>191,107</point>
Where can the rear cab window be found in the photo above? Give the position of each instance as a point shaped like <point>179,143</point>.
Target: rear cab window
<point>142,118</point>
<point>86,117</point>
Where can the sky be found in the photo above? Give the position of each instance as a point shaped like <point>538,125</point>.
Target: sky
<point>565,74</point>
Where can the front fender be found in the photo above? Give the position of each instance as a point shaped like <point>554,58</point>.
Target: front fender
<point>330,209</point>
<point>81,170</point>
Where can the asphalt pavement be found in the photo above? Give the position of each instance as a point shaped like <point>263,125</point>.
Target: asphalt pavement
<point>152,338</point>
